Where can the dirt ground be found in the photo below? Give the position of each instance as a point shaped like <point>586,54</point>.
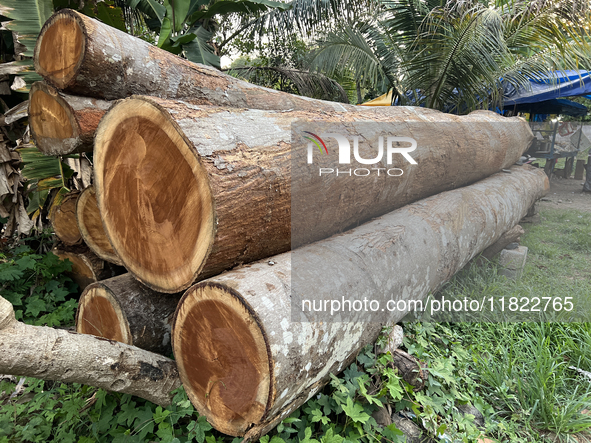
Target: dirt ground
<point>566,193</point>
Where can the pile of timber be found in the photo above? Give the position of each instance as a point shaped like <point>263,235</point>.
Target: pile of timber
<point>192,194</point>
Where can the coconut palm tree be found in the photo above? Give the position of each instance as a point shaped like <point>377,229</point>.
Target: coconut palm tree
<point>458,55</point>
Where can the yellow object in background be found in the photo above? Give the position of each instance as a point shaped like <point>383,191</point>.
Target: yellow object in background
<point>382,100</point>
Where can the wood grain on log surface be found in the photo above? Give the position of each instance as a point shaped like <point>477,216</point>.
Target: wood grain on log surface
<point>249,355</point>
<point>63,220</point>
<point>57,354</point>
<point>63,124</point>
<point>91,227</point>
<point>87,268</point>
<point>187,191</point>
<point>124,310</point>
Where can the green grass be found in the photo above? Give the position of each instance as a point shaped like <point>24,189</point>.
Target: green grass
<point>522,369</point>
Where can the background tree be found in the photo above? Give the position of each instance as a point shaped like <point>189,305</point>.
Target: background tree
<point>457,56</point>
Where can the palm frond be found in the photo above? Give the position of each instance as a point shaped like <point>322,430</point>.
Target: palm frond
<point>350,50</point>
<point>309,84</point>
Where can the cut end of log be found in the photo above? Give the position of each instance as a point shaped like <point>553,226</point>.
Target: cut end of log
<point>91,227</point>
<point>223,357</point>
<point>51,118</point>
<point>63,220</point>
<point>100,314</point>
<point>82,270</point>
<point>60,48</point>
<point>153,195</point>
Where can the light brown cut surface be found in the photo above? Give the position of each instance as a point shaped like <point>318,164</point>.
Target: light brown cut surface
<point>60,48</point>
<point>156,195</point>
<point>91,226</point>
<point>222,355</point>
<point>48,116</point>
<point>100,314</point>
<point>82,272</point>
<point>63,220</point>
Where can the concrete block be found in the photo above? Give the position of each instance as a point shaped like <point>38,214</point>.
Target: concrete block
<point>580,170</point>
<point>512,262</point>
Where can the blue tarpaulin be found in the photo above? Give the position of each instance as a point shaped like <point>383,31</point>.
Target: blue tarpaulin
<point>555,85</point>
<point>554,106</point>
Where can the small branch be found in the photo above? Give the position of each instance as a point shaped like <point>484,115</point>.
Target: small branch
<point>57,354</point>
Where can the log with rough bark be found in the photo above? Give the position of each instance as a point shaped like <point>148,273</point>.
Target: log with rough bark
<point>87,268</point>
<point>187,191</point>
<point>63,220</point>
<point>91,227</point>
<point>124,310</point>
<point>85,57</point>
<point>57,354</point>
<point>63,124</point>
<point>410,369</point>
<point>250,349</point>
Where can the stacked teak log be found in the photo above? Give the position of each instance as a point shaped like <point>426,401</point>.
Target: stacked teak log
<point>192,182</point>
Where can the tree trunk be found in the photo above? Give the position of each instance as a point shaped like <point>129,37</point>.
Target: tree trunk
<point>196,191</point>
<point>63,124</point>
<point>63,220</point>
<point>87,268</point>
<point>91,227</point>
<point>85,57</point>
<point>250,352</point>
<point>57,354</point>
<point>124,310</point>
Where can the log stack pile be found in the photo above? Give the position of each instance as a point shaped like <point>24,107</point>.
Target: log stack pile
<point>193,194</point>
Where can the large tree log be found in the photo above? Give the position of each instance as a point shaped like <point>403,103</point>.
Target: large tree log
<point>250,352</point>
<point>124,310</point>
<point>87,268</point>
<point>85,57</point>
<point>186,191</point>
<point>63,220</point>
<point>57,354</point>
<point>63,124</point>
<point>91,227</point>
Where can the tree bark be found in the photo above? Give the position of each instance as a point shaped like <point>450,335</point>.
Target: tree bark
<point>248,350</point>
<point>409,368</point>
<point>124,310</point>
<point>57,354</point>
<point>91,227</point>
<point>83,56</point>
<point>63,220</point>
<point>87,268</point>
<point>63,124</point>
<point>188,192</point>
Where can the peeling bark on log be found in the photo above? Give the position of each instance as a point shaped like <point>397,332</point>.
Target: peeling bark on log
<point>56,354</point>
<point>83,56</point>
<point>91,227</point>
<point>248,358</point>
<point>187,192</point>
<point>63,220</point>
<point>63,124</point>
<point>124,310</point>
<point>87,268</point>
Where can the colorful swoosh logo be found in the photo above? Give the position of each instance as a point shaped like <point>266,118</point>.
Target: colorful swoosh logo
<point>316,142</point>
